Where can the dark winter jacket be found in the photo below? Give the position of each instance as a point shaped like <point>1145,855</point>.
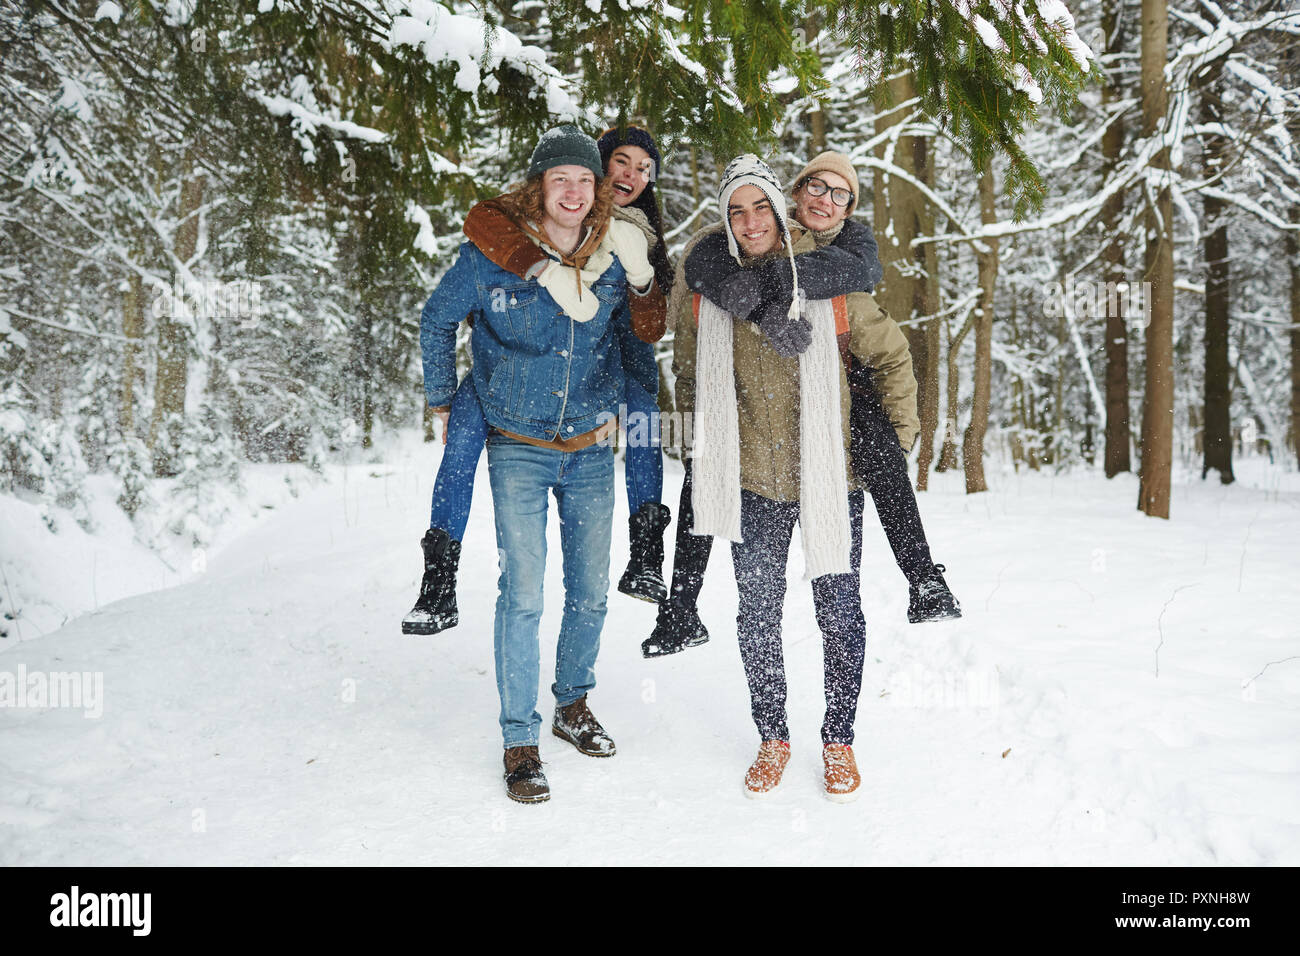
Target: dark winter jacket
<point>767,384</point>
<point>849,263</point>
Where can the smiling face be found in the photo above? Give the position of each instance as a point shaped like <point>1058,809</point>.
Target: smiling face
<point>629,171</point>
<point>753,221</point>
<point>568,193</point>
<point>820,213</point>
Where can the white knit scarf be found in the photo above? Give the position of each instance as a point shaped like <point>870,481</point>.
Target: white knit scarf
<point>823,484</point>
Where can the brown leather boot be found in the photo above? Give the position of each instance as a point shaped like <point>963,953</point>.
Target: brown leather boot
<point>764,775</point>
<point>579,726</point>
<point>525,782</point>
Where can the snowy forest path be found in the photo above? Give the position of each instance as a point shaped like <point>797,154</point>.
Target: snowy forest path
<point>270,712</point>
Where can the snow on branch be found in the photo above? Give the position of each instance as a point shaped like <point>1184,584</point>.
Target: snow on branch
<point>1079,214</point>
<point>20,339</point>
<point>302,106</point>
<point>424,239</point>
<point>108,10</point>
<point>685,62</point>
<point>1060,22</point>
<point>307,121</point>
<point>1053,17</point>
<point>1251,206</point>
<point>446,37</point>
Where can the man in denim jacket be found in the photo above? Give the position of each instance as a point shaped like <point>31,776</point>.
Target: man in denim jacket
<point>549,375</point>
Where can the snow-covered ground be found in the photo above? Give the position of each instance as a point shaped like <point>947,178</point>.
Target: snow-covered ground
<point>1122,690</point>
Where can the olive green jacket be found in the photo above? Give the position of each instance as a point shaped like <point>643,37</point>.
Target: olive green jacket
<point>767,384</point>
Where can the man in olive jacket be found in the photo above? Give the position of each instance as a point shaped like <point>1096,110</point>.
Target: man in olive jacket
<point>774,428</point>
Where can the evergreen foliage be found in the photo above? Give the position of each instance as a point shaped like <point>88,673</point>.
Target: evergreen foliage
<point>335,147</point>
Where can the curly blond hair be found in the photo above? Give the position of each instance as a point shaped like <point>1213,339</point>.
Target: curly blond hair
<point>524,202</point>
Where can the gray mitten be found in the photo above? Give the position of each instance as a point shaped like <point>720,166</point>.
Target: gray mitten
<point>740,293</point>
<point>789,337</point>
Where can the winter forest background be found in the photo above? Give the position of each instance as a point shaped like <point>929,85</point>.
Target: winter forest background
<point>221,220</point>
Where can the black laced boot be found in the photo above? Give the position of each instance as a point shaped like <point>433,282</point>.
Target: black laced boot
<point>644,577</point>
<point>436,609</point>
<point>931,599</point>
<point>676,629</point>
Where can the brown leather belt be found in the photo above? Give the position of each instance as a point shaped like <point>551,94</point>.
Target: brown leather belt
<point>576,443</point>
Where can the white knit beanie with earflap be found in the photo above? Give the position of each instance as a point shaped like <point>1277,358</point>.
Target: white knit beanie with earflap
<point>749,170</point>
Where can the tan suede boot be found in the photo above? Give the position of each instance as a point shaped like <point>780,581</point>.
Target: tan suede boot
<point>764,775</point>
<point>842,779</point>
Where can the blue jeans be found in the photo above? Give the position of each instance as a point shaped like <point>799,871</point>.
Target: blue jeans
<point>645,465</point>
<point>583,485</point>
<point>454,487</point>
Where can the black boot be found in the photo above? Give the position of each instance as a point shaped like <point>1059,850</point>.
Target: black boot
<point>436,609</point>
<point>676,629</point>
<point>931,600</point>
<point>644,577</point>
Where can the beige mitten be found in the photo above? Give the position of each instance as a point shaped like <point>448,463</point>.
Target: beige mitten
<point>629,244</point>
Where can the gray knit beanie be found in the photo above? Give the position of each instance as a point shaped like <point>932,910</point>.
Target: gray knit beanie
<point>565,146</point>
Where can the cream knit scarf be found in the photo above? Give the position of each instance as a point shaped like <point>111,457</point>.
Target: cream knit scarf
<point>569,285</point>
<point>823,484</point>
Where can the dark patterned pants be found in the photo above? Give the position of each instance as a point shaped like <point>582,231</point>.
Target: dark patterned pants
<point>766,527</point>
<point>880,464</point>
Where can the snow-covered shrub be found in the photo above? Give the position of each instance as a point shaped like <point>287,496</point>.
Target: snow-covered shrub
<point>42,458</point>
<point>129,460</point>
<point>65,485</point>
<point>98,410</point>
<point>22,463</point>
<point>208,483</point>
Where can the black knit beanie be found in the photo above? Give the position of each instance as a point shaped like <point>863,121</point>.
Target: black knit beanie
<point>611,140</point>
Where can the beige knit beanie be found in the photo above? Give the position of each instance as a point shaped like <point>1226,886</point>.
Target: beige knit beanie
<point>832,162</point>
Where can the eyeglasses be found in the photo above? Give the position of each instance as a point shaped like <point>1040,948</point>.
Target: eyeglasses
<point>819,187</point>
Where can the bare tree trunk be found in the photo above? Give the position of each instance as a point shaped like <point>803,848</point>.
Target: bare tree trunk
<point>1057,453</point>
<point>893,215</point>
<point>133,330</point>
<point>1018,456</point>
<point>972,451</point>
<point>173,348</point>
<point>1292,60</point>
<point>1119,429</point>
<point>1019,419</point>
<point>905,296</point>
<point>927,303</point>
<point>1158,400</point>
<point>816,115</point>
<point>1218,372</point>
<point>367,375</point>
<point>817,126</point>
<point>695,179</point>
<point>895,204</point>
<point>1293,256</point>
<point>948,451</point>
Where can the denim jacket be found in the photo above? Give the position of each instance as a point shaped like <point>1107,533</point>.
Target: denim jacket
<point>538,372</point>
